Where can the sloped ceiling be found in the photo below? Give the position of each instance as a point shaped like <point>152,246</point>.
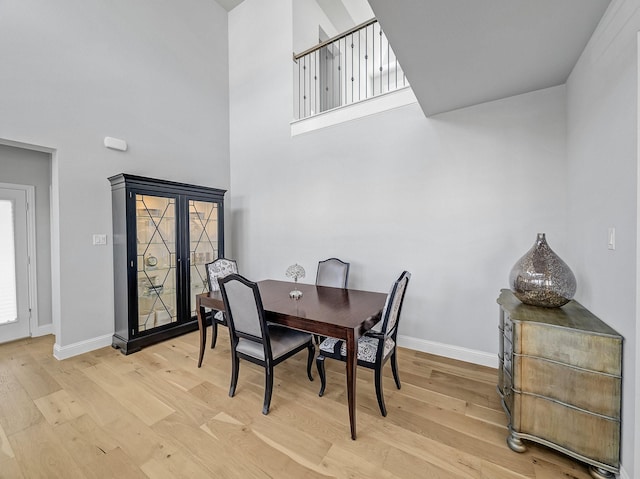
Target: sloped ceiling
<point>458,53</point>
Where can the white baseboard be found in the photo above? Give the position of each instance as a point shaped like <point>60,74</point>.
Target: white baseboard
<point>623,473</point>
<point>42,330</point>
<point>65,352</point>
<point>449,351</point>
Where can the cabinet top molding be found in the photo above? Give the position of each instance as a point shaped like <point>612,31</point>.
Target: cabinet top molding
<point>572,315</point>
<point>143,181</point>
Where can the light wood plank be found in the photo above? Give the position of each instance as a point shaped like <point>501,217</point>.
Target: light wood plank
<point>114,463</point>
<point>5,448</point>
<point>17,410</point>
<point>10,469</point>
<point>85,441</point>
<point>129,393</point>
<point>35,380</point>
<point>51,460</point>
<point>59,407</point>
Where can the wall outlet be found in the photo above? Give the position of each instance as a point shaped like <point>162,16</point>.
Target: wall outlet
<point>99,239</point>
<point>611,242</point>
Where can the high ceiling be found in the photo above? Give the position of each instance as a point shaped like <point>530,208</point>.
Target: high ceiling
<point>458,53</point>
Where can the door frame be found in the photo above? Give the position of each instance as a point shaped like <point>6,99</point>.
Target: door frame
<point>32,283</point>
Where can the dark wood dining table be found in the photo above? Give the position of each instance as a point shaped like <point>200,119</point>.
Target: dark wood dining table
<point>340,313</point>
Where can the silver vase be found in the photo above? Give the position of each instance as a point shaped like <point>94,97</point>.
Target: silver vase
<point>541,278</point>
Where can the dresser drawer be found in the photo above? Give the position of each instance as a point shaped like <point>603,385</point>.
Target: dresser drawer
<point>575,348</point>
<point>508,326</point>
<point>507,393</point>
<point>592,391</point>
<point>585,434</point>
<point>507,360</point>
<point>500,375</point>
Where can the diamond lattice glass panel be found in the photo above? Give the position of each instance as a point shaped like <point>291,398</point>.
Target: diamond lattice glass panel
<point>203,244</point>
<point>8,299</point>
<point>156,238</point>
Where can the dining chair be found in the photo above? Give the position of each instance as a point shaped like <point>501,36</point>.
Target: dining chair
<point>218,268</point>
<point>255,340</point>
<point>332,272</point>
<point>376,346</point>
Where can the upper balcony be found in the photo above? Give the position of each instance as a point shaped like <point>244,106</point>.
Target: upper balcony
<point>351,68</point>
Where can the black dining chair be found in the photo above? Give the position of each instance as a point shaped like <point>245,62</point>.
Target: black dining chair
<point>332,272</point>
<point>376,346</point>
<point>219,268</point>
<point>255,340</point>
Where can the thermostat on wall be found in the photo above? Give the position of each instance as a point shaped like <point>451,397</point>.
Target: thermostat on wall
<point>115,143</point>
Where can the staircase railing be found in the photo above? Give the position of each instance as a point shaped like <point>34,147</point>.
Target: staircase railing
<point>351,67</point>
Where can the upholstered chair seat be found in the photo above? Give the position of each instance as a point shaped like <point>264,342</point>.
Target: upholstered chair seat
<point>282,339</point>
<point>367,348</point>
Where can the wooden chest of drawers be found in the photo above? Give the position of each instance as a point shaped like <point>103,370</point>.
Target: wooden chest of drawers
<point>559,377</point>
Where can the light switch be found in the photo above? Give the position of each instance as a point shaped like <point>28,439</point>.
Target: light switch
<point>611,244</point>
<point>99,239</point>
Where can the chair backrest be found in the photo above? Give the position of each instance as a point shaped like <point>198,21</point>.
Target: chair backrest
<point>332,272</point>
<point>219,269</point>
<point>393,305</point>
<point>243,306</point>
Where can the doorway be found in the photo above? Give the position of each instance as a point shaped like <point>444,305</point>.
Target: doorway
<point>15,307</point>
<point>25,168</point>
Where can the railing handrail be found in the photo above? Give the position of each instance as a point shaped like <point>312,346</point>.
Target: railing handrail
<point>340,36</point>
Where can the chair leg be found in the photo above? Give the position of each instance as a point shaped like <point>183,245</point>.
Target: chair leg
<point>235,369</point>
<point>203,336</point>
<point>323,379</point>
<point>214,332</point>
<point>379,394</point>
<point>312,352</point>
<point>268,388</point>
<point>394,368</point>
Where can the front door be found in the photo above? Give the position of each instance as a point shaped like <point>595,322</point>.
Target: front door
<point>14,265</point>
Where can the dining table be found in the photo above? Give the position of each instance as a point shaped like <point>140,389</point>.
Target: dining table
<point>344,314</point>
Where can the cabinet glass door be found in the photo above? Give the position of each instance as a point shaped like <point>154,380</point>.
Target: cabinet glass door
<point>203,244</point>
<point>156,244</point>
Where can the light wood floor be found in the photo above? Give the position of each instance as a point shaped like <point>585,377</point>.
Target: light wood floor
<point>155,414</point>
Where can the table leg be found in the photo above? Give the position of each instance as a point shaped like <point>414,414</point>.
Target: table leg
<point>200,312</point>
<point>352,364</point>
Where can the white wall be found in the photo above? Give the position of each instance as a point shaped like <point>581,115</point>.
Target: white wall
<point>153,72</point>
<point>602,159</point>
<point>455,199</point>
<point>307,17</point>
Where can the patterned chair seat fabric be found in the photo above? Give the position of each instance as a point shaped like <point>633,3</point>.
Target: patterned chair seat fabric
<point>367,348</point>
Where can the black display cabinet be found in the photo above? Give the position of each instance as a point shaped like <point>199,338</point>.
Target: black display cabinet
<point>163,235</point>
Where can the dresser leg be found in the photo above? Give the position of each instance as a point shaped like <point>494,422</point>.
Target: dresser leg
<point>599,473</point>
<point>515,443</point>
